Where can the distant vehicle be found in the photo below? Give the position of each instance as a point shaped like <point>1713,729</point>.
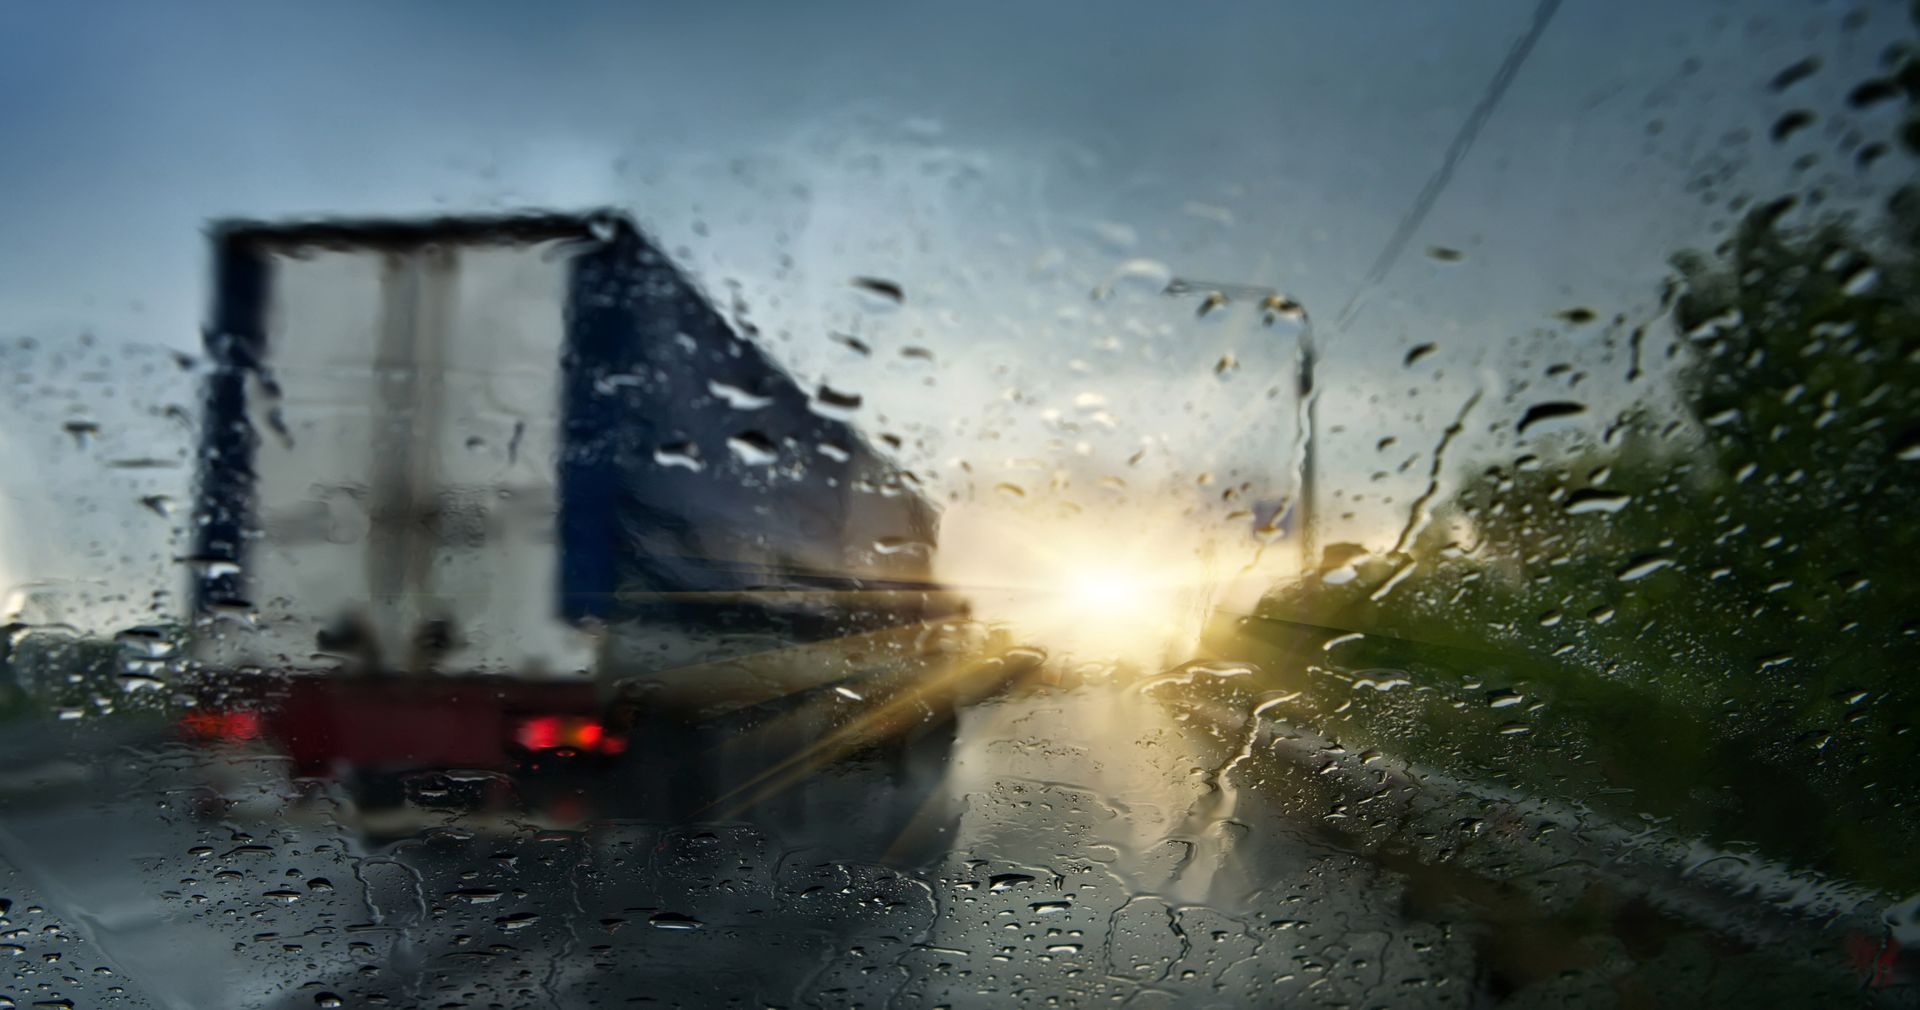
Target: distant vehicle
<point>462,479</point>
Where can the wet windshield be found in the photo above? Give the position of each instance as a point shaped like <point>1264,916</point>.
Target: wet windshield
<point>1013,505</point>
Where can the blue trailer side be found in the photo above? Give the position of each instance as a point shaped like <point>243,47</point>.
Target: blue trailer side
<point>655,508</point>
<point>695,464</point>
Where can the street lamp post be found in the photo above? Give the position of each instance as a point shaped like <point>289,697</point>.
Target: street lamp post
<point>1309,436</point>
<point>1275,307</point>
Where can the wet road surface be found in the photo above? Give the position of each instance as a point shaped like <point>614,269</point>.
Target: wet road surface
<point>1171,842</point>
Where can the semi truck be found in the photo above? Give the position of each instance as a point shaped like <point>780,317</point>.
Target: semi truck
<point>509,494</point>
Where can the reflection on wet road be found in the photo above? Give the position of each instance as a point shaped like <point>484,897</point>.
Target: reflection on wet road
<point>1144,843</point>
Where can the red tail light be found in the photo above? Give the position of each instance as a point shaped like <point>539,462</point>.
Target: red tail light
<point>227,726</point>
<point>553,732</point>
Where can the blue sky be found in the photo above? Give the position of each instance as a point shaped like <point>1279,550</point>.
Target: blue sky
<point>1000,160</point>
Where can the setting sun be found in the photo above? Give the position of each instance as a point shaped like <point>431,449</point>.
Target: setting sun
<point>1128,585</point>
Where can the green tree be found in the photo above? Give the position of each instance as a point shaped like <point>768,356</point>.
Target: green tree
<point>1716,604</point>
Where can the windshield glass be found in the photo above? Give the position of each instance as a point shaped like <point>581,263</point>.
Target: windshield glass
<point>851,505</point>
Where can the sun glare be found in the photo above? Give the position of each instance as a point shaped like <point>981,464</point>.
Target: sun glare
<point>1130,587</point>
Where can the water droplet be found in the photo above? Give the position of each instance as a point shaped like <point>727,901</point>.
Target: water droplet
<point>1642,566</point>
<point>328,1000</point>
<point>737,398</point>
<point>283,896</point>
<point>1278,307</point>
<point>605,385</point>
<point>886,289</point>
<point>1504,699</point>
<point>1711,329</point>
<point>1444,254</point>
<point>1872,92</point>
<point>830,402</point>
<point>901,545</point>
<point>681,454</point>
<point>852,343</point>
<point>1222,669</point>
<point>1593,499</point>
<point>1050,907</point>
<point>1794,73</point>
<point>1417,352</point>
<point>1791,123</point>
<point>1007,881</point>
<point>1541,412</point>
<point>82,431</point>
<point>1721,418</point>
<point>211,568</point>
<point>1860,282</point>
<point>753,448</point>
<point>674,920</point>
